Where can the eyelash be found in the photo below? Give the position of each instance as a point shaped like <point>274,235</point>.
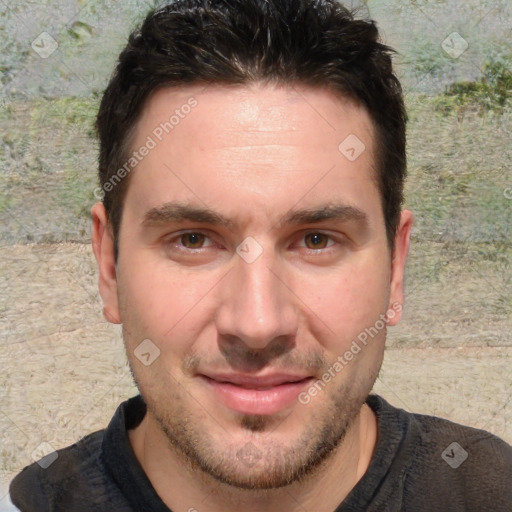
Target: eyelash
<point>324,250</point>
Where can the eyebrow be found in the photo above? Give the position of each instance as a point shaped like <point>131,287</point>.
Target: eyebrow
<point>179,212</point>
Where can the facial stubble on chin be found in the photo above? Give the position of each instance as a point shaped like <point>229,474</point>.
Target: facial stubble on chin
<point>275,466</point>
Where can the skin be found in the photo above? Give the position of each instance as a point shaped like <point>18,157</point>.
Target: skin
<point>252,154</point>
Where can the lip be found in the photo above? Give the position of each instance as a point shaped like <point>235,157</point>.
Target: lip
<point>256,395</point>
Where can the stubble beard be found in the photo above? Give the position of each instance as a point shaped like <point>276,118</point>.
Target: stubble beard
<point>260,464</point>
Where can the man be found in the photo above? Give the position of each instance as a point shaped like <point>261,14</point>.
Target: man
<point>252,245</point>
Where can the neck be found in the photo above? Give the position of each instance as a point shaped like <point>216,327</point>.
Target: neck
<point>181,487</point>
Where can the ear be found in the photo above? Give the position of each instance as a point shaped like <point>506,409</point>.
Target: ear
<point>103,248</point>
<point>398,259</point>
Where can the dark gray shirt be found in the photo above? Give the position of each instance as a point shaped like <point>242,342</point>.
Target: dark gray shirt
<point>420,464</point>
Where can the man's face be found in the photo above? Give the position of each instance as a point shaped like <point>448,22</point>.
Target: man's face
<point>244,317</point>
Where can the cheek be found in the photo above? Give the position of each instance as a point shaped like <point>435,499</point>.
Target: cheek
<point>172,306</point>
<point>347,303</point>
<point>159,303</point>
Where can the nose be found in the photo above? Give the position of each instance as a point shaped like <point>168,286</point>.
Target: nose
<point>256,305</point>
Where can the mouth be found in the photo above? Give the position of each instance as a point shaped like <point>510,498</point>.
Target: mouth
<point>256,395</point>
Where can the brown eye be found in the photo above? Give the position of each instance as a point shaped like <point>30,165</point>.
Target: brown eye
<point>195,240</point>
<point>318,240</point>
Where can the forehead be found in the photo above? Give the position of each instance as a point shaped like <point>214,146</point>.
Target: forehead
<point>254,113</point>
<point>213,141</point>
